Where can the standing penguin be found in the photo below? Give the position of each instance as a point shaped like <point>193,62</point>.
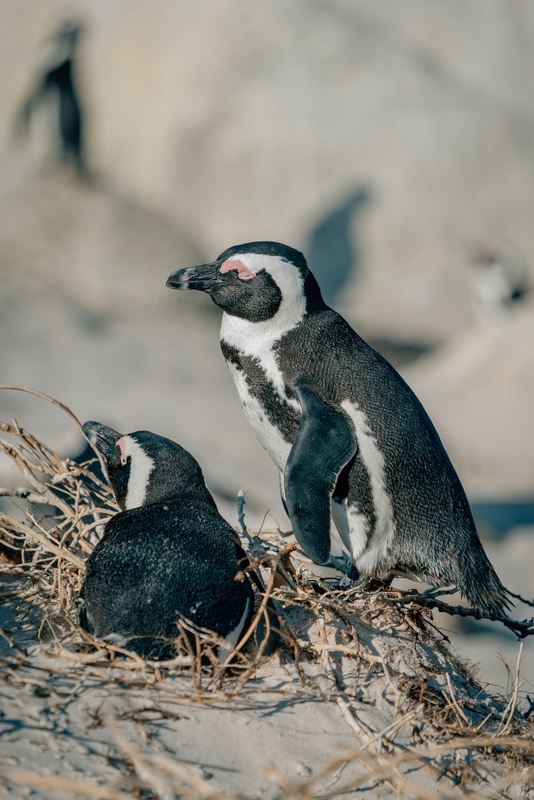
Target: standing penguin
<point>58,80</point>
<point>168,550</point>
<point>352,442</point>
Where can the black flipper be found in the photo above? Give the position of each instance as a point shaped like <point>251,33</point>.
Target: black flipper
<point>324,443</point>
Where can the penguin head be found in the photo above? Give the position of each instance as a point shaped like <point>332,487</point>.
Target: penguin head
<point>144,468</point>
<point>254,281</point>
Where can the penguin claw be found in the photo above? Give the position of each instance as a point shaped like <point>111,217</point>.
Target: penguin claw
<point>341,584</point>
<point>352,579</point>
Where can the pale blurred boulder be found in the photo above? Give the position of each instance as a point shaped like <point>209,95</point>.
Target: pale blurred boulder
<point>479,391</point>
<point>109,255</point>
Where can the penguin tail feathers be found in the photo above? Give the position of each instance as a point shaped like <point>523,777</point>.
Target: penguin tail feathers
<point>487,594</point>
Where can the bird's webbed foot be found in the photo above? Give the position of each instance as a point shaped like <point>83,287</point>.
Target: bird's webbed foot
<point>351,578</point>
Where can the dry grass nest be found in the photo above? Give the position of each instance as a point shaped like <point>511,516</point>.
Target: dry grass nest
<point>357,649</point>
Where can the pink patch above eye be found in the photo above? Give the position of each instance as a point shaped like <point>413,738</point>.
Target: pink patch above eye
<point>121,444</point>
<point>243,273</point>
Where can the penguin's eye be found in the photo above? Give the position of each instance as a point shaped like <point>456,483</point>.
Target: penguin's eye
<point>243,272</point>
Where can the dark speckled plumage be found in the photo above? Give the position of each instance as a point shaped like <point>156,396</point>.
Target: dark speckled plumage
<point>175,553</point>
<point>435,535</point>
<point>342,425</point>
<point>278,411</point>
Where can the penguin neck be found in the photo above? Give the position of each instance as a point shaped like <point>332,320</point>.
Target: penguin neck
<point>254,337</point>
<point>200,496</point>
<point>194,496</point>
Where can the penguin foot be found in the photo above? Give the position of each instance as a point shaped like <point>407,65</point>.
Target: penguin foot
<point>353,575</point>
<point>338,584</point>
<point>338,562</point>
<point>350,572</point>
<point>352,579</point>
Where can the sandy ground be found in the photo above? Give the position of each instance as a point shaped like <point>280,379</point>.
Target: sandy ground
<point>82,729</point>
<point>232,745</point>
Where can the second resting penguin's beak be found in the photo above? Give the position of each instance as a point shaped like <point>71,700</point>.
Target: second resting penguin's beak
<point>105,439</point>
<point>203,278</point>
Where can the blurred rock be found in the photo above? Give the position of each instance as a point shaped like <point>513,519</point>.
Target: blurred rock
<point>248,121</point>
<point>479,391</point>
<point>108,255</point>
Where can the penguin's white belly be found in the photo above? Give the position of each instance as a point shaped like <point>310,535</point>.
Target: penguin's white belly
<point>268,434</point>
<point>257,341</point>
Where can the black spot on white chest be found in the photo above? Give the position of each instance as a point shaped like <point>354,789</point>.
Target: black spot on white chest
<point>267,401</point>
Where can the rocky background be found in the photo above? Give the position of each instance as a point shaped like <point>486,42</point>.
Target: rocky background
<point>395,147</point>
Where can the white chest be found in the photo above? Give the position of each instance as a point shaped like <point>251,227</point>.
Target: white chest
<point>267,432</point>
<point>256,341</point>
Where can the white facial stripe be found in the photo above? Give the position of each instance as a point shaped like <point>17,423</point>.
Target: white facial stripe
<point>233,637</point>
<point>384,531</point>
<point>256,339</point>
<point>141,466</point>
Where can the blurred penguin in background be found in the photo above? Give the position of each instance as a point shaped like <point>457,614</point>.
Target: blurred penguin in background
<point>332,252</point>
<point>56,88</point>
<point>497,280</point>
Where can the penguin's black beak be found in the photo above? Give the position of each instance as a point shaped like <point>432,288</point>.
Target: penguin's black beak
<point>105,439</point>
<point>204,278</point>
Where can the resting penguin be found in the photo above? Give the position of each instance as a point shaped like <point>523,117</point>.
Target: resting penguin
<point>350,439</point>
<point>167,550</point>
